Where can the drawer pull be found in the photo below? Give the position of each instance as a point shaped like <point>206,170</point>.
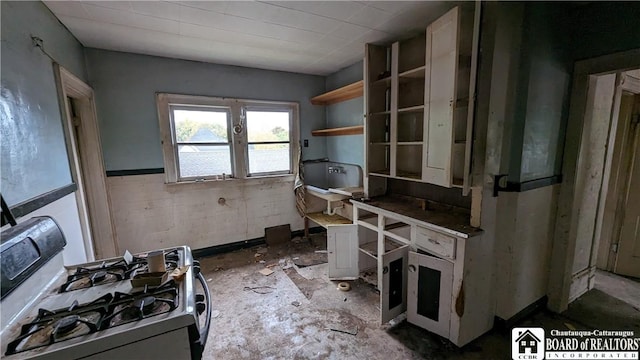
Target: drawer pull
<point>434,241</point>
<point>412,268</point>
<point>385,269</point>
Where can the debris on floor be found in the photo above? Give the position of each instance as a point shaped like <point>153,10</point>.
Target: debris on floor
<point>260,289</point>
<point>344,286</point>
<point>296,303</point>
<point>266,271</point>
<point>354,332</point>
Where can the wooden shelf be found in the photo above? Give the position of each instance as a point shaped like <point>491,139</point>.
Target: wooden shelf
<point>417,108</point>
<point>413,143</point>
<point>324,220</point>
<point>417,73</point>
<point>386,112</point>
<point>371,248</point>
<point>348,130</point>
<point>344,93</point>
<point>384,81</point>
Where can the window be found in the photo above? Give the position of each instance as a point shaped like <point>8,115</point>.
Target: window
<point>207,138</point>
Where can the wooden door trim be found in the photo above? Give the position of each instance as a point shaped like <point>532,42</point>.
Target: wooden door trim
<point>93,196</point>
<point>563,251</point>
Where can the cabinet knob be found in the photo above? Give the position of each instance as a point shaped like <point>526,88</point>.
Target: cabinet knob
<point>385,269</point>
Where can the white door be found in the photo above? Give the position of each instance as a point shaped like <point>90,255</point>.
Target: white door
<point>628,252</point>
<point>440,98</point>
<point>342,252</point>
<point>393,297</point>
<point>429,293</point>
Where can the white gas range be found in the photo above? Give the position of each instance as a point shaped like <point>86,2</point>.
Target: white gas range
<point>92,310</point>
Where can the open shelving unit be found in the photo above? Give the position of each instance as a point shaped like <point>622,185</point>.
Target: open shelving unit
<point>348,92</point>
<point>417,105</point>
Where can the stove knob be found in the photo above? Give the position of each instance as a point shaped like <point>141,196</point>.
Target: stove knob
<point>200,307</point>
<point>199,297</point>
<point>196,267</point>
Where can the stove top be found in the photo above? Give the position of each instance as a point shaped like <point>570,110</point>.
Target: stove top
<point>77,311</point>
<point>53,326</point>
<point>105,272</point>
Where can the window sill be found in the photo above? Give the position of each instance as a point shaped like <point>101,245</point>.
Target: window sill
<point>258,180</point>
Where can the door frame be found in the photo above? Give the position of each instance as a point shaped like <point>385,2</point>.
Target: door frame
<point>88,170</point>
<point>574,168</point>
<point>611,224</point>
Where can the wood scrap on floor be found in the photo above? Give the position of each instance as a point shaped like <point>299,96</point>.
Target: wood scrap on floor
<point>266,271</point>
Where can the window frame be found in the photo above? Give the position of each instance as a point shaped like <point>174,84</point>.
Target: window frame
<point>269,108</point>
<point>176,144</point>
<point>239,144</point>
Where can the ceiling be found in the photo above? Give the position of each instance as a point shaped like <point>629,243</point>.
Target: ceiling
<point>312,37</point>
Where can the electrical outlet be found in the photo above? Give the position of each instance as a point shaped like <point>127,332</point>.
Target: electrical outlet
<point>306,143</point>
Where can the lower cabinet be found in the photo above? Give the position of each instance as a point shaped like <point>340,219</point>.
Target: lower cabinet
<point>441,278</point>
<point>429,293</point>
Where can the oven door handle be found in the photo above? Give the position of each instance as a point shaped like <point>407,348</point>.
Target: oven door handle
<point>204,333</point>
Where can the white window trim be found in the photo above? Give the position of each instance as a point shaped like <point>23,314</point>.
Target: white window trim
<point>239,153</point>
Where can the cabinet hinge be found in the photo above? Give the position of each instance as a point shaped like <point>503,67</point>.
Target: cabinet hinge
<point>76,121</point>
<point>614,248</point>
<point>635,119</point>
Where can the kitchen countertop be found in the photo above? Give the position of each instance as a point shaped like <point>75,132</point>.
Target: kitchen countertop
<point>450,221</point>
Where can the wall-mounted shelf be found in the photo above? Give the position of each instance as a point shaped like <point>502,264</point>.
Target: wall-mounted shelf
<point>344,93</point>
<point>348,130</point>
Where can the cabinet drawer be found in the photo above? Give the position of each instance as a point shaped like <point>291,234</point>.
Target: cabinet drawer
<point>436,243</point>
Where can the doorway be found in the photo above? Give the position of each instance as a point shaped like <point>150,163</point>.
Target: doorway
<point>619,247</point>
<point>87,166</point>
<point>588,161</point>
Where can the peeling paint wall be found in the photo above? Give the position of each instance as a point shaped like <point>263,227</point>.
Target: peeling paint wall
<point>149,214</point>
<point>34,156</point>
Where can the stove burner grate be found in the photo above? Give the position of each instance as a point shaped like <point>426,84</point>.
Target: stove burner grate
<point>54,326</point>
<point>127,308</point>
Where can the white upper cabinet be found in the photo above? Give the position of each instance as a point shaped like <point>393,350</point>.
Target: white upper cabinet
<point>417,105</point>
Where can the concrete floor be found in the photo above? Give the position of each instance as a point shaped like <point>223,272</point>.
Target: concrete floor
<point>290,313</point>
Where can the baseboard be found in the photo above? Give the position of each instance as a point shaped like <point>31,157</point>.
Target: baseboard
<point>225,248</point>
<point>502,324</point>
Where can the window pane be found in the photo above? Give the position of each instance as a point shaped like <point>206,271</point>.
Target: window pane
<point>200,125</point>
<point>204,160</point>
<point>268,158</point>
<point>267,126</point>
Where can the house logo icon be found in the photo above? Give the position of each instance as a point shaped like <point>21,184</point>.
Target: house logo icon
<point>527,343</point>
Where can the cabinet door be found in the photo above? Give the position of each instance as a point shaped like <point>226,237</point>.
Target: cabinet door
<point>440,98</point>
<point>342,252</point>
<point>393,295</point>
<point>429,292</point>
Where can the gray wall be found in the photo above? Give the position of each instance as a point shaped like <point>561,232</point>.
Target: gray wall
<point>604,27</point>
<point>542,93</point>
<point>347,148</point>
<point>125,85</point>
<point>34,156</point>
